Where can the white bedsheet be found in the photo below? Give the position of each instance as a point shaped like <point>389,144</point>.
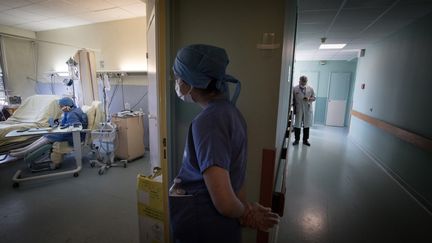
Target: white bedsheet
<point>33,112</point>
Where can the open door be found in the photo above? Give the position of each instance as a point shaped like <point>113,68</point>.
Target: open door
<point>157,118</point>
<point>154,138</point>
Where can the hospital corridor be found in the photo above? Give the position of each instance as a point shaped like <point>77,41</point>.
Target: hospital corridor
<point>337,193</point>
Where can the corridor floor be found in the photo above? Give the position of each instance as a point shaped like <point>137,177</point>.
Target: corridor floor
<point>336,193</point>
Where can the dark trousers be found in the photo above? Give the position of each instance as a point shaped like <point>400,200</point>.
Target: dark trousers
<point>305,133</point>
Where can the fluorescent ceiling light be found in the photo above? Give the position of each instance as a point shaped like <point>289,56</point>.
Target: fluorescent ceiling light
<point>332,46</point>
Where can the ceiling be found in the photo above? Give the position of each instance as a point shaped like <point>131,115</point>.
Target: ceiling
<point>39,15</point>
<point>358,23</point>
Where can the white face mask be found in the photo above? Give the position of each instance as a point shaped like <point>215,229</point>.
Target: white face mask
<point>187,97</point>
<point>65,108</point>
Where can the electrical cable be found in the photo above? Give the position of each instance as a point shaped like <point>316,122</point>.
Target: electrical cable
<point>142,97</point>
<point>112,96</point>
<point>124,108</point>
<point>52,84</point>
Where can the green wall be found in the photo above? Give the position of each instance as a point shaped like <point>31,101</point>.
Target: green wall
<point>398,79</point>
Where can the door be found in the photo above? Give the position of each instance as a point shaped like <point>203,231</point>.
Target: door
<point>339,87</point>
<point>152,95</point>
<point>313,78</point>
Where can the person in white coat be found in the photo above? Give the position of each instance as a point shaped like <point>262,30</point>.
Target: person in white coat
<point>303,96</point>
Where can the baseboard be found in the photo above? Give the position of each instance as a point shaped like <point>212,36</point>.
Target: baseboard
<point>416,196</point>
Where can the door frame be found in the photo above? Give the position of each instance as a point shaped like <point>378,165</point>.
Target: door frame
<point>160,18</point>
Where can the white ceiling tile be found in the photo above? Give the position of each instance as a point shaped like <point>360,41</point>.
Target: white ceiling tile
<point>319,4</point>
<point>359,15</point>
<point>7,19</point>
<point>353,27</point>
<point>368,3</point>
<point>15,3</point>
<point>138,9</point>
<point>73,21</point>
<point>409,10</point>
<point>28,17</point>
<point>116,13</point>
<point>63,7</point>
<point>41,10</point>
<point>31,26</point>
<point>94,4</point>
<point>4,7</point>
<point>121,3</point>
<point>325,16</point>
<point>318,27</point>
<point>348,35</point>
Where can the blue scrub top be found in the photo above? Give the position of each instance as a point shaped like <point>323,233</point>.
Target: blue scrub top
<point>217,137</point>
<point>75,115</point>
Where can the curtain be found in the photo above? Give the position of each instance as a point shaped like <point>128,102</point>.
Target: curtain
<point>86,89</point>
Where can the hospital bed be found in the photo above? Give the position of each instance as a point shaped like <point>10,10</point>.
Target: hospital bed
<point>34,112</point>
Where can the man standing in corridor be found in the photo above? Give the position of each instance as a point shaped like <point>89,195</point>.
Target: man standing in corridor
<point>303,96</point>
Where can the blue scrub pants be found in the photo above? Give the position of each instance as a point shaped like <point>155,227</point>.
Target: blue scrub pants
<point>194,219</point>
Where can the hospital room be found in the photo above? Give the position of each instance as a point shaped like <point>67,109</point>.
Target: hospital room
<point>93,54</point>
<point>173,121</point>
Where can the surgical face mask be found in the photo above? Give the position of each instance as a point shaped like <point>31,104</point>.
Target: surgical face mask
<point>185,97</point>
<point>65,108</point>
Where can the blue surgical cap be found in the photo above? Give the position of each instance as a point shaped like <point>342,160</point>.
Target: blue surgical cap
<point>66,101</point>
<point>199,64</point>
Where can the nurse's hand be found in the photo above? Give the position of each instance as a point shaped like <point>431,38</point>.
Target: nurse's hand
<point>259,217</point>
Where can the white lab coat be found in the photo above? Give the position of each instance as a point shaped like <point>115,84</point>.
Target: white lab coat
<point>303,108</point>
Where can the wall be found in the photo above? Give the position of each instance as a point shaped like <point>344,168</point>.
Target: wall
<point>121,45</point>
<point>237,27</point>
<point>324,72</point>
<point>20,65</point>
<point>118,95</point>
<point>397,75</point>
<point>17,32</point>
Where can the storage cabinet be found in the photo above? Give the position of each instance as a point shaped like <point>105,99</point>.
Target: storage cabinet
<point>130,140</point>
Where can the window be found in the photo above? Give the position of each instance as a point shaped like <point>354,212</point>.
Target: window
<point>3,96</point>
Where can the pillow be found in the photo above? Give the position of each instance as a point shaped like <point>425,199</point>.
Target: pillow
<point>91,114</point>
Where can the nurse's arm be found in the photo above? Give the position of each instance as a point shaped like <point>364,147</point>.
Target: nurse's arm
<point>219,186</point>
<point>242,194</point>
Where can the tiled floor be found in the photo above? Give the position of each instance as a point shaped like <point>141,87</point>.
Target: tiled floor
<point>335,193</point>
<point>89,208</point>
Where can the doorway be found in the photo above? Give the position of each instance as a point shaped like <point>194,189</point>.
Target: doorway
<point>338,95</point>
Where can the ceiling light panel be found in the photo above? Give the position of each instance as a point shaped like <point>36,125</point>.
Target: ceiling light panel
<point>331,46</point>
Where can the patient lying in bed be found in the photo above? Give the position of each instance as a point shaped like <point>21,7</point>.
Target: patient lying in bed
<point>33,112</point>
<point>71,115</point>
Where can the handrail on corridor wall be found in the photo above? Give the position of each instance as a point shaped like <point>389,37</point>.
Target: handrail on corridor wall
<point>405,135</point>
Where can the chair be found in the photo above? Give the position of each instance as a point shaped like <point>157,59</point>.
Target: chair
<point>94,116</point>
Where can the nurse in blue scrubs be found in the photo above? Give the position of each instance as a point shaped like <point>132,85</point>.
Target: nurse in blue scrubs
<point>207,200</point>
<point>71,115</point>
